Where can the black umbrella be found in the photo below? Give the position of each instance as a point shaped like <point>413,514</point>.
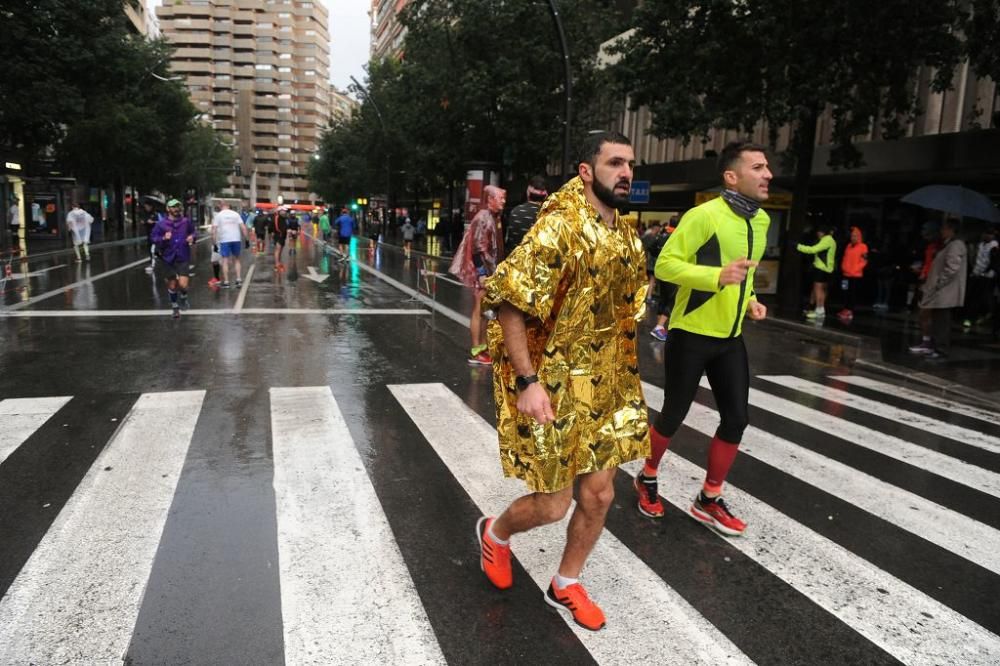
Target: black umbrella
<point>955,200</point>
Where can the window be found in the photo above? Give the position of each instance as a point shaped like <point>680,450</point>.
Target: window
<point>284,137</point>
<point>285,56</point>
<point>284,70</point>
<point>265,26</point>
<point>283,149</point>
<point>285,96</point>
<point>264,79</point>
<point>284,15</point>
<point>310,72</point>
<point>310,33</point>
<point>262,68</point>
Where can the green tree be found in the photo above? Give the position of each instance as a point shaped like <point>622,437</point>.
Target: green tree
<point>982,32</point>
<point>205,162</point>
<point>131,133</point>
<point>56,56</point>
<point>718,64</point>
<point>480,81</point>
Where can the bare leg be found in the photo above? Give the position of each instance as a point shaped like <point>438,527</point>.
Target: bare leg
<point>183,281</point>
<point>277,254</point>
<point>820,296</point>
<point>597,491</point>
<point>225,269</point>
<point>239,268</point>
<point>532,511</point>
<point>476,320</point>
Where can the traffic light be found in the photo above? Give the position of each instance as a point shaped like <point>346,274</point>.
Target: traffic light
<point>354,206</point>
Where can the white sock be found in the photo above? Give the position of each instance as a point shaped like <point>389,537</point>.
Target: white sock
<point>562,582</point>
<point>820,311</point>
<point>495,539</point>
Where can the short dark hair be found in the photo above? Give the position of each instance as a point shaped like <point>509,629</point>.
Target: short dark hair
<point>538,183</point>
<point>952,222</point>
<point>734,150</point>
<point>593,142</point>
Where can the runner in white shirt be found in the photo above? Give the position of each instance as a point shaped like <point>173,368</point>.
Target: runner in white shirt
<point>228,233</point>
<point>78,222</point>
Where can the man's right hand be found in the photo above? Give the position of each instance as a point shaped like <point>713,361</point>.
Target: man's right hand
<point>735,271</point>
<point>534,402</point>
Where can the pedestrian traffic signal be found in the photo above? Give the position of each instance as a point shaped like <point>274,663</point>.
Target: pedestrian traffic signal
<point>354,206</point>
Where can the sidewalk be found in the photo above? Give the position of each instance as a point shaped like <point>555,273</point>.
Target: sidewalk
<point>972,370</point>
<point>101,235</point>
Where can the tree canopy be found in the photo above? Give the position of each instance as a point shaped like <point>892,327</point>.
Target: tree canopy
<point>478,81</point>
<point>704,64</point>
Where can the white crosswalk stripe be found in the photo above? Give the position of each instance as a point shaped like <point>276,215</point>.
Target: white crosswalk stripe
<point>949,529</point>
<point>903,621</point>
<point>23,416</point>
<point>328,513</point>
<point>891,412</point>
<point>894,447</point>
<point>920,397</point>
<point>77,598</point>
<point>615,576</point>
<point>343,574</point>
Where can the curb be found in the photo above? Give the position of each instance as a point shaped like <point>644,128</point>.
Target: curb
<point>55,253</point>
<point>868,347</point>
<point>822,334</point>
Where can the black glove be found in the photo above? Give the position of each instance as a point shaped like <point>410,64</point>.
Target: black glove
<point>246,244</point>
<point>215,247</point>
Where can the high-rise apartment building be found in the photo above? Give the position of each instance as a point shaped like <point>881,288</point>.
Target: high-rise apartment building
<point>259,71</point>
<point>138,17</point>
<point>387,31</point>
<point>341,105</point>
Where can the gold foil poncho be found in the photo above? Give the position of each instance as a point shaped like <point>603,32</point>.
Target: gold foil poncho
<point>582,286</point>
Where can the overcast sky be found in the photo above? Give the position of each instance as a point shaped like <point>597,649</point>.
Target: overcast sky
<point>350,32</point>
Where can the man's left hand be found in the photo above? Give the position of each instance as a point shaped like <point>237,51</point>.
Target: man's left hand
<point>756,310</point>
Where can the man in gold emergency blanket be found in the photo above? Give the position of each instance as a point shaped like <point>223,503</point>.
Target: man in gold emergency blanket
<point>566,375</point>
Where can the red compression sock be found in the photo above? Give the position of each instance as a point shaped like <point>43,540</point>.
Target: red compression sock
<point>721,455</point>
<point>660,444</point>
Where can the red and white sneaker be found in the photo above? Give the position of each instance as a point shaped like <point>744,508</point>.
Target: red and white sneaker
<point>482,358</point>
<point>649,497</point>
<point>714,513</point>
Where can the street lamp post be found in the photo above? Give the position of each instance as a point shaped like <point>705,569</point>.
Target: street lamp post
<point>568,74</point>
<point>385,135</point>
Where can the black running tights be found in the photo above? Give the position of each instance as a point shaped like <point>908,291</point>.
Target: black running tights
<point>724,362</point>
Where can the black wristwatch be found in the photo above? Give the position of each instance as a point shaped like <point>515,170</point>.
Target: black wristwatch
<point>523,381</point>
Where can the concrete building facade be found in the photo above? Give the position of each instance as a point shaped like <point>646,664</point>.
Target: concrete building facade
<point>387,31</point>
<point>259,71</point>
<point>341,105</point>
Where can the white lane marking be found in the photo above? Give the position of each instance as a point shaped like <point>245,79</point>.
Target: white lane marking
<point>342,574</point>
<point>214,312</point>
<point>900,619</point>
<point>23,416</point>
<point>74,285</point>
<point>78,596</point>
<point>920,397</point>
<point>241,299</point>
<point>314,276</point>
<point>615,577</point>
<point>409,291</point>
<point>968,538</point>
<point>918,456</point>
<point>446,311</point>
<point>42,271</point>
<point>904,416</point>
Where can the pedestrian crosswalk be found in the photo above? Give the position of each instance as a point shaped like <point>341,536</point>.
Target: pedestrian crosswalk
<point>854,526</point>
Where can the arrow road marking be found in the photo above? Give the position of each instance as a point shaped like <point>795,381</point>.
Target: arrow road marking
<point>314,276</point>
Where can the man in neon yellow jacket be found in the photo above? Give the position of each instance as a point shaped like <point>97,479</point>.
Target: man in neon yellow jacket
<point>711,257</point>
<point>825,252</point>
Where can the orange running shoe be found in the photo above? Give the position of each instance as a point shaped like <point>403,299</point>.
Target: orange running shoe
<point>574,599</point>
<point>649,496</point>
<point>494,559</point>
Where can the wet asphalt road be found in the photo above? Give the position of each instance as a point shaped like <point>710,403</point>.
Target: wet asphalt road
<point>836,574</point>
